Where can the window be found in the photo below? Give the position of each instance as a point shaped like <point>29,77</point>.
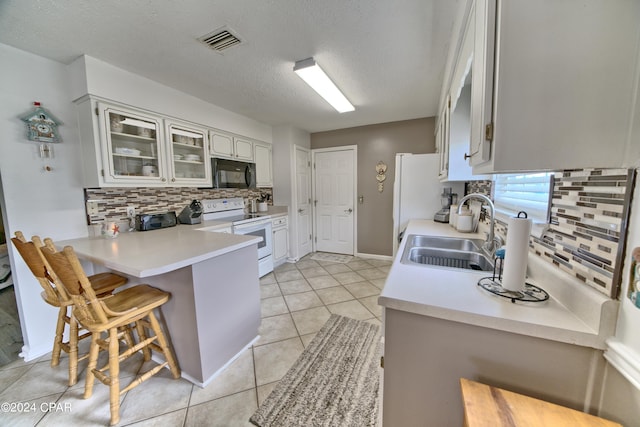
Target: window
<point>524,192</point>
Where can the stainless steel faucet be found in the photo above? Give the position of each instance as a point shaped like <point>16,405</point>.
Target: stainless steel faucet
<point>493,242</point>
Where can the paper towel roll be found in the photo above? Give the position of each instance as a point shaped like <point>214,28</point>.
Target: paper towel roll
<point>517,251</point>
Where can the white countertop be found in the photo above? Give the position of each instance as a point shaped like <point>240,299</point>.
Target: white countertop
<point>454,295</point>
<point>275,211</point>
<point>153,252</point>
<point>215,224</point>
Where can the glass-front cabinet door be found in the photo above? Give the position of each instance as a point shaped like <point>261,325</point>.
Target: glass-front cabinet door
<point>133,150</point>
<point>188,154</point>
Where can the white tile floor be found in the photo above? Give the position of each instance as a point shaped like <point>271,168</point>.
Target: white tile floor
<point>297,299</point>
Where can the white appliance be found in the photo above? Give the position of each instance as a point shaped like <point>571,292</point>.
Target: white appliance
<point>232,209</point>
<point>417,191</point>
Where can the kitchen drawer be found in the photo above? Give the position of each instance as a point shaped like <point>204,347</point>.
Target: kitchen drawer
<point>279,222</point>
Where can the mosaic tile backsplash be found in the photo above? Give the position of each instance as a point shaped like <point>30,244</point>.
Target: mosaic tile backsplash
<point>113,202</point>
<point>589,212</point>
<point>482,187</point>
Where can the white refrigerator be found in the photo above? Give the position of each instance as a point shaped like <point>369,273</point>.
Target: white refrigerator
<point>417,190</point>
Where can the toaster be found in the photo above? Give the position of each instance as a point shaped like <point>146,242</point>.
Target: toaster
<point>154,221</point>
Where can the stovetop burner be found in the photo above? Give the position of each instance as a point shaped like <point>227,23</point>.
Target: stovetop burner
<point>231,209</point>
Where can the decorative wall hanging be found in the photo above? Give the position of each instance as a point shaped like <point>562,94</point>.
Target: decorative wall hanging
<point>381,168</point>
<point>42,126</point>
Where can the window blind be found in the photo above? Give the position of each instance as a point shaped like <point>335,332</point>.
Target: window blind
<point>524,192</point>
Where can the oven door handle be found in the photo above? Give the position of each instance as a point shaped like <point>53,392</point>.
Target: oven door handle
<point>253,224</point>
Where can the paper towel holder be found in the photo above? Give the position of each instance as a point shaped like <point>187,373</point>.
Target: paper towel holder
<point>493,284</point>
<point>531,293</point>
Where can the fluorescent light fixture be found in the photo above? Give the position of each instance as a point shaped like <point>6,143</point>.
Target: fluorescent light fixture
<point>312,74</point>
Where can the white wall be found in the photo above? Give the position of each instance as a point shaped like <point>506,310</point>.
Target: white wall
<point>37,202</point>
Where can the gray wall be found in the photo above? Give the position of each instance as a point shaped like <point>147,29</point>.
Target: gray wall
<point>376,143</point>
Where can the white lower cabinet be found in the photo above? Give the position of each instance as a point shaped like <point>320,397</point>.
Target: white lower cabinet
<point>425,357</point>
<point>280,229</point>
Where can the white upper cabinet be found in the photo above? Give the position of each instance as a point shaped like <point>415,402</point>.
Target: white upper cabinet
<point>120,146</point>
<point>442,142</point>
<point>552,83</point>
<point>232,147</point>
<point>458,114</point>
<point>243,149</point>
<point>188,154</point>
<point>262,154</point>
<point>221,144</point>
<point>128,147</point>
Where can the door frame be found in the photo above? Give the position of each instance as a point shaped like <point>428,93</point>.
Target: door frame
<point>354,149</point>
<point>294,231</point>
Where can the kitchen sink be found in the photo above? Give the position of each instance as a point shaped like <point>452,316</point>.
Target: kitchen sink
<point>459,244</point>
<point>449,252</point>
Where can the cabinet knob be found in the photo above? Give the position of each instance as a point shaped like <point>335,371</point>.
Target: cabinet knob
<point>173,180</point>
<point>467,156</point>
<point>164,179</point>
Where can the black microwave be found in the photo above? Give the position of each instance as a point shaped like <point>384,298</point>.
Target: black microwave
<point>233,174</point>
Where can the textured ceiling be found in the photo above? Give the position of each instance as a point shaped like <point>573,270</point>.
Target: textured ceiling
<point>387,56</point>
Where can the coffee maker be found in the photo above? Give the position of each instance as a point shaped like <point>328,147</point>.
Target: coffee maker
<point>447,198</point>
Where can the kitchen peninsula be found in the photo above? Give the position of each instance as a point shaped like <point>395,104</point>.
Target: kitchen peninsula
<point>214,310</point>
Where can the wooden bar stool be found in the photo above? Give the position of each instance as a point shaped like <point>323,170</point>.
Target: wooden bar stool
<point>55,295</point>
<point>104,317</point>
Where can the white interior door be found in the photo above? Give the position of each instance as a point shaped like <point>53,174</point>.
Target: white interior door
<point>334,193</point>
<point>302,213</point>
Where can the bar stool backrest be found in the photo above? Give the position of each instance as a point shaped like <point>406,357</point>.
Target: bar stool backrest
<point>53,293</point>
<point>86,307</point>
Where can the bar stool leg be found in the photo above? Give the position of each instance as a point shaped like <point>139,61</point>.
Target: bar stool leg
<point>93,362</point>
<point>162,342</point>
<point>57,341</point>
<point>128,336</point>
<point>73,350</point>
<point>114,375</point>
<point>142,335</point>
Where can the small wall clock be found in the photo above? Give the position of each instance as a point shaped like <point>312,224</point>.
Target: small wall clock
<point>42,126</point>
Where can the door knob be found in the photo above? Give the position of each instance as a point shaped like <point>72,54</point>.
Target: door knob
<point>300,210</point>
<point>348,210</point>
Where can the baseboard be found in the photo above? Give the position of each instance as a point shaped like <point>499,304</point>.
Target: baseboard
<point>29,353</point>
<point>202,384</point>
<point>625,360</point>
<point>374,256</point>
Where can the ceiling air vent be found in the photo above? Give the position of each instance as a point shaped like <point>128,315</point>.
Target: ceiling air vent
<point>220,39</point>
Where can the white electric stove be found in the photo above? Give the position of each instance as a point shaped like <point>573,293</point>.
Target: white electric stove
<point>233,209</point>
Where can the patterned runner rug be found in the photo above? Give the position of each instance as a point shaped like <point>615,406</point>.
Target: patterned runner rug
<point>326,256</point>
<point>334,382</point>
